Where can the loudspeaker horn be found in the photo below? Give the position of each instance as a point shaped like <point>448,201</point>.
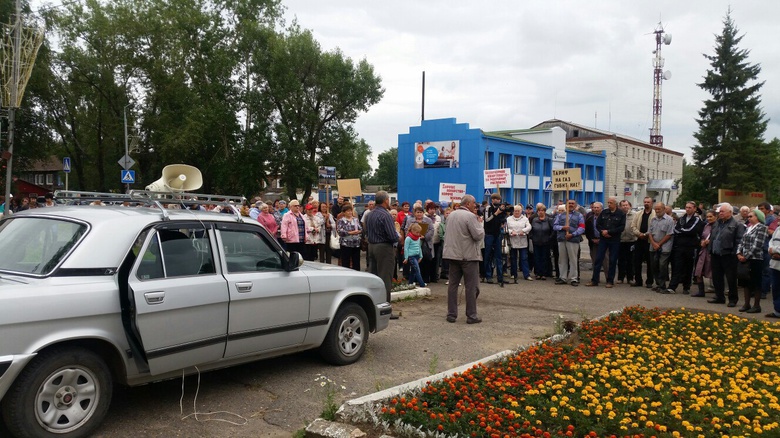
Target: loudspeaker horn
<point>177,178</point>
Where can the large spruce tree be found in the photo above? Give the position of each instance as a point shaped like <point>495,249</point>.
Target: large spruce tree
<point>731,152</point>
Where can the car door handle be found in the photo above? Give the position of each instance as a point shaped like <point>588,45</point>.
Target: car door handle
<point>244,287</point>
<point>154,297</point>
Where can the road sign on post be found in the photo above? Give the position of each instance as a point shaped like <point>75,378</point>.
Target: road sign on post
<point>126,162</point>
<point>128,176</point>
<point>66,164</point>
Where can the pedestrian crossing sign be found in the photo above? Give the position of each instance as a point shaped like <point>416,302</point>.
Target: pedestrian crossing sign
<point>128,176</point>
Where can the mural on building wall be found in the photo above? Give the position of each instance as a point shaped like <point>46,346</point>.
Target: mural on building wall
<point>437,154</point>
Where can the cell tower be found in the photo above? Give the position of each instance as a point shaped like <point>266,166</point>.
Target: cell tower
<point>658,76</point>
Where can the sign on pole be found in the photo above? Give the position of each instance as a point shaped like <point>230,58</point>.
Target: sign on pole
<point>449,192</point>
<point>128,176</point>
<point>326,175</point>
<point>566,179</point>
<point>66,164</point>
<point>126,162</point>
<point>498,178</point>
<point>548,187</point>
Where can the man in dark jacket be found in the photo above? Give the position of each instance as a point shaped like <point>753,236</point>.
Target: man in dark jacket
<point>687,238</point>
<point>726,236</point>
<point>495,218</point>
<point>610,225</point>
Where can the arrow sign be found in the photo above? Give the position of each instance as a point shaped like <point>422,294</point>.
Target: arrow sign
<point>128,176</point>
<point>66,164</point>
<point>548,186</point>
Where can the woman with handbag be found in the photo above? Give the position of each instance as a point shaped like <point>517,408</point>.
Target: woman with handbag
<point>750,251</point>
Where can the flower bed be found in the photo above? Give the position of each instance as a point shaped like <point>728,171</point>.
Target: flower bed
<point>636,373</point>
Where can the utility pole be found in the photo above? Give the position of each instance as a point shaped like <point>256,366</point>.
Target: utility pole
<point>16,40</point>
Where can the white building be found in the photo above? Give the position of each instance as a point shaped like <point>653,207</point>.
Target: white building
<point>634,168</point>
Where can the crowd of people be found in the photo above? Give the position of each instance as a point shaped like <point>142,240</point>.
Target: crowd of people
<point>714,251</point>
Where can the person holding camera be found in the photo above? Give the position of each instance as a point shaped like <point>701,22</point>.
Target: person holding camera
<point>495,217</point>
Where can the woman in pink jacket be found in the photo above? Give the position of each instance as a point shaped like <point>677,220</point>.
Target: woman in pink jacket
<point>294,228</point>
<point>267,220</point>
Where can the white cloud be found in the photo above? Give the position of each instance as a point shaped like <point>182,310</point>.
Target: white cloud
<point>507,64</point>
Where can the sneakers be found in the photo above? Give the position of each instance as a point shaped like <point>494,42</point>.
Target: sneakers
<point>529,278</point>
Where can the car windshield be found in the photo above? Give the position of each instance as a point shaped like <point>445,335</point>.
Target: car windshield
<point>36,245</point>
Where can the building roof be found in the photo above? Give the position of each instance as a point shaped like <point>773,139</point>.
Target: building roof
<point>600,134</point>
<point>507,135</point>
<point>50,164</point>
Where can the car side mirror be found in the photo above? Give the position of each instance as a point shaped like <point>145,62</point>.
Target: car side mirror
<point>294,261</point>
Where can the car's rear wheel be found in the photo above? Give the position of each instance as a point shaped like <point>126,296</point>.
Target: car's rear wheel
<point>347,337</point>
<point>63,392</point>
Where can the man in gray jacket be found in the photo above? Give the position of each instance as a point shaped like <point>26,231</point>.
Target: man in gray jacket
<point>461,250</point>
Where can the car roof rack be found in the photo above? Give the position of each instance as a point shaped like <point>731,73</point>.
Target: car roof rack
<point>150,198</point>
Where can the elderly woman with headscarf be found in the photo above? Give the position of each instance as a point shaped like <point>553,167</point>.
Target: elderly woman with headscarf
<point>751,251</point>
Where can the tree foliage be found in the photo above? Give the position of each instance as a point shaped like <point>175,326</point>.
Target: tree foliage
<point>387,172</point>
<point>217,84</point>
<point>731,152</point>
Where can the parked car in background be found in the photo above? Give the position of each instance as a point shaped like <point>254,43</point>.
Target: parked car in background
<point>93,295</point>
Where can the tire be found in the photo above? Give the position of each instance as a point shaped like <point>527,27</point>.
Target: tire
<point>76,378</point>
<point>347,337</point>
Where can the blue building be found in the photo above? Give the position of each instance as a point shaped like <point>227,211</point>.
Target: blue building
<point>443,151</point>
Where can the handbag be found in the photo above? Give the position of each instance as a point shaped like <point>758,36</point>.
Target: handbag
<point>334,241</point>
<point>426,251</point>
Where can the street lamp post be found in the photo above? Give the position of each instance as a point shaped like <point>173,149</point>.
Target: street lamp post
<point>127,186</point>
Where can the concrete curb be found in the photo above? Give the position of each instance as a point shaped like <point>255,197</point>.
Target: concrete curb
<point>416,292</point>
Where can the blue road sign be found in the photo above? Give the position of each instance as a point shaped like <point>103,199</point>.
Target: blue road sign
<point>128,176</point>
<point>488,192</point>
<point>548,186</point>
<point>66,164</point>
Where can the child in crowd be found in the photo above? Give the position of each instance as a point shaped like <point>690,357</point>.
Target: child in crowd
<point>413,253</point>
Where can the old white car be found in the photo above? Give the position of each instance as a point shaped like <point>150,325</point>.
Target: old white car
<point>92,295</point>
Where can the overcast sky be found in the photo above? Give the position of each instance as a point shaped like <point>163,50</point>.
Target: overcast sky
<point>512,64</point>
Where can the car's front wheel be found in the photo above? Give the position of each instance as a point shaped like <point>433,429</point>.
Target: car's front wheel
<point>63,392</point>
<point>348,336</point>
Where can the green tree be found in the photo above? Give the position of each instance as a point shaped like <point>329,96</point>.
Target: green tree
<point>387,172</point>
<point>693,188</point>
<point>316,97</point>
<point>731,152</point>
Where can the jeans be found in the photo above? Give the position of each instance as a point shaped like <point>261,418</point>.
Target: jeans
<point>414,263</point>
<point>614,250</point>
<point>493,251</point>
<point>513,256</point>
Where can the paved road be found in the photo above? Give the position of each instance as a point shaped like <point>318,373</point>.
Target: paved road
<point>279,396</point>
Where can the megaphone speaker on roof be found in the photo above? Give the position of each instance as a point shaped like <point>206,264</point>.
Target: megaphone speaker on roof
<point>177,178</point>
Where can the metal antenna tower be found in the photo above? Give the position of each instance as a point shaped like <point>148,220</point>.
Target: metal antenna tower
<point>659,75</point>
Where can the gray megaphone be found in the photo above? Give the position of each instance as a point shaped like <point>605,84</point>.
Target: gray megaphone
<point>177,178</point>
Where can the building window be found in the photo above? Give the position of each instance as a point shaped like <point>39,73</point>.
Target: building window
<point>599,173</point>
<point>533,166</point>
<point>504,194</point>
<point>518,164</point>
<point>488,158</point>
<point>576,133</point>
<point>39,178</point>
<point>628,172</point>
<point>49,179</point>
<point>532,198</point>
<point>517,197</point>
<point>547,167</point>
<point>503,161</point>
